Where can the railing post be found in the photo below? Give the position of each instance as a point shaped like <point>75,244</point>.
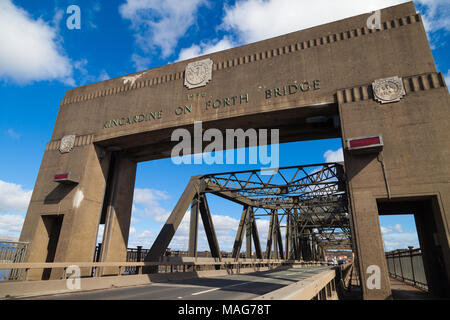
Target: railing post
<point>400,261</point>
<point>392,257</point>
<point>138,258</point>
<point>412,264</point>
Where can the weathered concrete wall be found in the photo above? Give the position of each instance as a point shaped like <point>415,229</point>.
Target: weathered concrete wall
<point>417,146</point>
<point>340,55</point>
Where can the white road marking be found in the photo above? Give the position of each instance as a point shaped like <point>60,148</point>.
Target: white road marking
<point>215,289</point>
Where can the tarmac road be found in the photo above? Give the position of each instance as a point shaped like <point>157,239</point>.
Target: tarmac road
<point>230,287</point>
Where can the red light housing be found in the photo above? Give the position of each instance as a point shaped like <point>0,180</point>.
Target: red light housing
<point>61,176</point>
<point>365,144</point>
<point>66,178</point>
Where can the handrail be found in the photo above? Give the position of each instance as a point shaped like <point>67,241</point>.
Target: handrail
<point>45,265</point>
<point>323,286</point>
<point>407,265</point>
<point>122,266</point>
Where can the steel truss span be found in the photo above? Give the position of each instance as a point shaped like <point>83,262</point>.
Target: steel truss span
<point>310,201</point>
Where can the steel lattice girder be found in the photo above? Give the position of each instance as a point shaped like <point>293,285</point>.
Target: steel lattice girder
<point>315,192</point>
<point>313,196</point>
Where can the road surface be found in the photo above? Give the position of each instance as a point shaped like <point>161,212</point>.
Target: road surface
<point>230,287</point>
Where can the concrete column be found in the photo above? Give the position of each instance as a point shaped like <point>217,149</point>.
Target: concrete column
<point>118,212</point>
<point>371,258</point>
<point>79,205</point>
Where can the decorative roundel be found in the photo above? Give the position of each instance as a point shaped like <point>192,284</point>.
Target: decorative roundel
<point>388,90</point>
<point>67,143</point>
<point>198,73</point>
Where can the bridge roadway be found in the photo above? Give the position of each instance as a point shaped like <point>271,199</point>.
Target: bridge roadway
<point>230,287</point>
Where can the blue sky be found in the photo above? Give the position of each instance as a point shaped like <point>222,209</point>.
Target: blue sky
<point>41,58</point>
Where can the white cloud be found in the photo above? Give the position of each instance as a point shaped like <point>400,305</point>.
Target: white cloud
<point>395,237</point>
<point>29,49</point>
<point>398,228</point>
<point>400,240</point>
<point>146,234</point>
<point>10,225</point>
<point>103,76</point>
<point>334,155</point>
<point>140,62</point>
<point>13,198</point>
<point>390,229</point>
<point>13,134</point>
<point>133,219</point>
<point>224,225</point>
<point>437,14</point>
<point>9,238</point>
<point>447,78</point>
<point>385,230</point>
<point>250,18</point>
<point>160,24</point>
<point>150,200</point>
<point>149,197</point>
<point>205,48</point>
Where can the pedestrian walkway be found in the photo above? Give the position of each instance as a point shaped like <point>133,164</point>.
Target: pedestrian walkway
<point>403,291</point>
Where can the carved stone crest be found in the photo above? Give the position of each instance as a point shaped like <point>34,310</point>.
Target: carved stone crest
<point>67,143</point>
<point>388,90</point>
<point>198,73</point>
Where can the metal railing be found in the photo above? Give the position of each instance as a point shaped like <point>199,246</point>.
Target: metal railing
<point>407,265</point>
<point>329,284</point>
<point>138,254</point>
<point>12,252</point>
<point>181,264</point>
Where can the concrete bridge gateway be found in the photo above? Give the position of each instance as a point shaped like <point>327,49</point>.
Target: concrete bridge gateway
<point>376,89</point>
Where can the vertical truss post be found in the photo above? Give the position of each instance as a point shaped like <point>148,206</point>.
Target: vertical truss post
<point>239,234</point>
<point>270,236</point>
<point>313,247</point>
<point>278,239</point>
<point>209,228</point>
<point>303,244</point>
<point>288,234</point>
<point>248,235</point>
<point>321,254</point>
<point>295,236</point>
<point>275,236</point>
<point>308,245</point>
<point>255,236</point>
<point>193,227</point>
